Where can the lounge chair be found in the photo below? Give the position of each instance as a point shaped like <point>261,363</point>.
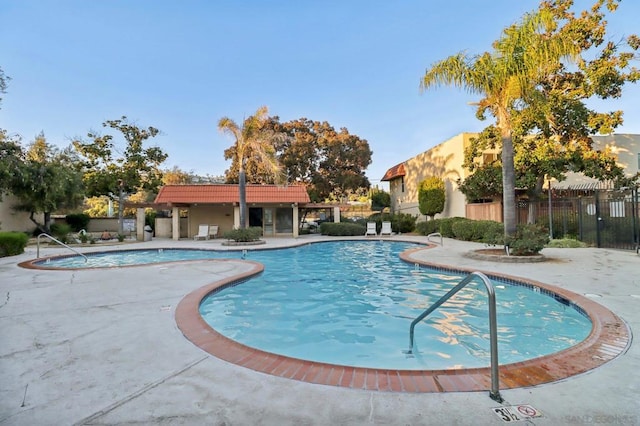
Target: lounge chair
<point>203,232</point>
<point>213,231</point>
<point>386,228</point>
<point>371,229</point>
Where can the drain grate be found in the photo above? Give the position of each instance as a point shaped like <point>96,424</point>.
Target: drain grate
<point>515,413</point>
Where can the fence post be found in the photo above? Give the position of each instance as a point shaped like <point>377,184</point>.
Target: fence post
<point>550,214</point>
<point>598,218</point>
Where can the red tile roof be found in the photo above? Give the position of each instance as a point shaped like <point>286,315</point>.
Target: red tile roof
<point>394,172</point>
<point>219,194</point>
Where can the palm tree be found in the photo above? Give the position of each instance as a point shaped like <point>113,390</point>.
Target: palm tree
<point>253,138</point>
<point>506,78</point>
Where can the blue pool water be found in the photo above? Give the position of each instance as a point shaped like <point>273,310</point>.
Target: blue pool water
<point>351,303</point>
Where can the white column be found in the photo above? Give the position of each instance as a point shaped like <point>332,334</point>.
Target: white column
<point>175,223</point>
<point>140,224</point>
<point>336,214</point>
<point>295,221</point>
<point>236,217</point>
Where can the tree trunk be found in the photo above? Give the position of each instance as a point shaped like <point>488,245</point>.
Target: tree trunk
<point>508,184</point>
<point>42,228</point>
<point>242,189</point>
<point>120,210</point>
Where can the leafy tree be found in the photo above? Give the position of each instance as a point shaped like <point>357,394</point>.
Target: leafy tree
<point>485,182</point>
<point>551,131</point>
<point>314,153</point>
<point>11,158</point>
<point>96,206</point>
<point>431,196</point>
<point>134,169</point>
<point>253,140</point>
<point>46,181</point>
<point>521,57</point>
<point>176,176</point>
<point>380,199</point>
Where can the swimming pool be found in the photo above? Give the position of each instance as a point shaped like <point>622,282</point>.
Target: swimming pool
<point>351,303</point>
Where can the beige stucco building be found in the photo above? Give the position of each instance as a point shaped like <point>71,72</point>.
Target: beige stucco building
<point>445,161</point>
<point>624,146</point>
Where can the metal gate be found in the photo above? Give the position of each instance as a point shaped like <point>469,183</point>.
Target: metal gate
<point>600,217</point>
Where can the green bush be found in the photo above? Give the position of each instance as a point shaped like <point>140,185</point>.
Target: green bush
<point>342,229</point>
<point>60,231</point>
<point>445,225</point>
<point>426,228</point>
<point>78,221</point>
<point>566,243</point>
<point>403,222</point>
<point>400,222</point>
<point>12,243</point>
<point>466,230</point>
<point>529,239</point>
<point>493,233</point>
<point>244,234</point>
<point>150,219</point>
<point>564,225</point>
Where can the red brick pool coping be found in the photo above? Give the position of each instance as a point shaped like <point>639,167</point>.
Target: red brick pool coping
<point>609,338</point>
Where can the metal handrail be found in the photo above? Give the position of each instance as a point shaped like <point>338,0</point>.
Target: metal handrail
<point>435,234</point>
<point>44,234</point>
<point>493,326</point>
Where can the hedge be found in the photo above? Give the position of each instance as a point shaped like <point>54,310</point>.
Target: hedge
<point>12,243</point>
<point>342,229</point>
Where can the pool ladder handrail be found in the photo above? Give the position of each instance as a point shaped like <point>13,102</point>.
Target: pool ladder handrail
<point>435,234</point>
<point>493,327</point>
<point>44,234</point>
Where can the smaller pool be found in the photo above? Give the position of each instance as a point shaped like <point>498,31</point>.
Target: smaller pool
<point>117,258</point>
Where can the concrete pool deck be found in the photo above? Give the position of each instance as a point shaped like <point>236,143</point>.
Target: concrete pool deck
<point>102,347</point>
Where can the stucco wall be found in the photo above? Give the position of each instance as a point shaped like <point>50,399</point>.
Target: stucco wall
<point>444,161</point>
<point>625,146</point>
<point>210,215</point>
<point>11,220</point>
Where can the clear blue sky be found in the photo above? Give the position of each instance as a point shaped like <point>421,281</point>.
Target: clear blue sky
<point>182,65</point>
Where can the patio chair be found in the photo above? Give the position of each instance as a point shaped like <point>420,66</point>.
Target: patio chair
<point>386,228</point>
<point>213,231</point>
<point>203,232</point>
<point>371,229</point>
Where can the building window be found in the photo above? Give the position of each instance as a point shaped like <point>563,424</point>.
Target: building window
<point>401,183</point>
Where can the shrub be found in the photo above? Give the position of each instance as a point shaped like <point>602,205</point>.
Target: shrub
<point>466,230</point>
<point>12,243</point>
<point>445,225</point>
<point>244,234</point>
<point>566,243</point>
<point>342,229</point>
<point>400,222</point>
<point>403,222</point>
<point>60,231</point>
<point>529,239</point>
<point>428,227</point>
<point>431,196</point>
<point>493,233</point>
<point>150,219</point>
<point>78,221</point>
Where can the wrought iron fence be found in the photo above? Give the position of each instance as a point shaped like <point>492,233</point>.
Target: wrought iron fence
<point>600,216</point>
